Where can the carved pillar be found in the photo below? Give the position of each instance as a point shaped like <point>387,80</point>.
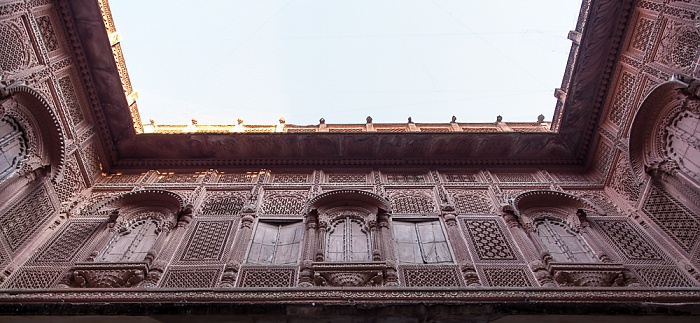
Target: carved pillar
<point>163,251</point>
<point>386,241</point>
<point>321,240</point>
<point>533,252</point>
<point>237,251</point>
<point>309,252</point>
<point>592,241</point>
<point>376,240</point>
<point>459,246</point>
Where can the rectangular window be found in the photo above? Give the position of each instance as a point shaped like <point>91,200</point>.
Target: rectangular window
<point>276,243</point>
<point>421,242</point>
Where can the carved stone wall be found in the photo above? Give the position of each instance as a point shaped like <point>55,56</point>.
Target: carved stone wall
<point>56,215</point>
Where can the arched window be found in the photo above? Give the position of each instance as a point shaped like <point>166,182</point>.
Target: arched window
<point>683,143</point>
<point>13,146</point>
<point>348,240</point>
<point>562,242</point>
<point>132,243</point>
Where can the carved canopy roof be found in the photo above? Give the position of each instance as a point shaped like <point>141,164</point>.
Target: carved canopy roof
<point>601,27</point>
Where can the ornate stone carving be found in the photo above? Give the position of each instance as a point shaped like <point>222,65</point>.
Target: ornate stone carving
<point>105,275</point>
<point>349,274</point>
<point>588,275</point>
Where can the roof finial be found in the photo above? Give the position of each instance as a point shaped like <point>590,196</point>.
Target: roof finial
<point>410,120</point>
<point>499,119</point>
<point>369,119</point>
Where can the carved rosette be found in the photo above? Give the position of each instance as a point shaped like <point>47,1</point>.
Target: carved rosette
<point>107,275</point>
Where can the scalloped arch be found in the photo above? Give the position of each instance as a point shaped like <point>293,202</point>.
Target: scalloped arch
<point>52,140</point>
<point>349,196</point>
<point>162,198</point>
<point>657,108</point>
<point>553,199</point>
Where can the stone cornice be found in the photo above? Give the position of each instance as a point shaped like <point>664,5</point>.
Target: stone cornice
<point>331,295</point>
<point>593,67</point>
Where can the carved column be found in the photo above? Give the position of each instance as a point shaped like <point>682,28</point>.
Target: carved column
<point>533,252</point>
<point>376,240</point>
<point>237,251</point>
<point>164,249</point>
<point>459,246</point>
<point>309,252</point>
<point>387,247</point>
<point>321,240</point>
<point>592,241</point>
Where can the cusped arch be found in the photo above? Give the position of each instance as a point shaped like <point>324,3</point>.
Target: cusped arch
<point>553,200</point>
<point>647,133</point>
<point>45,135</point>
<point>349,197</point>
<point>168,203</point>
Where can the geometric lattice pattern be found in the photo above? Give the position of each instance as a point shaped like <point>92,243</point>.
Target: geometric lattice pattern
<point>12,50</point>
<point>20,222</point>
<point>237,178</point>
<point>191,278</point>
<point>507,277</point>
<point>34,278</point>
<point>489,241</point>
<point>664,277</point>
<point>642,33</point>
<point>623,98</point>
<point>47,33</point>
<point>72,181</point>
<point>267,277</point>
<point>455,178</point>
<point>178,178</point>
<point>673,218</point>
<point>290,178</point>
<point>67,243</point>
<point>430,276</point>
<point>284,202</point>
<point>516,178</point>
<point>628,240</point>
<point>207,242</point>
<point>347,178</point>
<point>471,202</point>
<point>71,99</point>
<point>406,178</point>
<point>223,203</point>
<point>411,201</point>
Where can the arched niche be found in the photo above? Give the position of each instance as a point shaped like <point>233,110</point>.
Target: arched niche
<point>648,133</point>
<point>40,127</point>
<point>135,232</point>
<point>665,140</point>
<point>348,240</point>
<point>557,225</point>
<point>528,206</point>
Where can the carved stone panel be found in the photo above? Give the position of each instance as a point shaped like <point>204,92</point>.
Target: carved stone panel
<point>272,276</point>
<point>190,277</point>
<point>430,276</point>
<point>507,276</point>
<point>488,239</point>
<point>207,241</point>
<point>673,217</point>
<point>63,247</point>
<point>19,222</point>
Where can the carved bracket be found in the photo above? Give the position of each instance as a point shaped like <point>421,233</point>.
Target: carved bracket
<point>349,274</point>
<point>588,274</point>
<point>105,275</point>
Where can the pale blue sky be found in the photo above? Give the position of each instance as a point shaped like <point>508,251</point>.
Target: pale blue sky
<point>344,60</point>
